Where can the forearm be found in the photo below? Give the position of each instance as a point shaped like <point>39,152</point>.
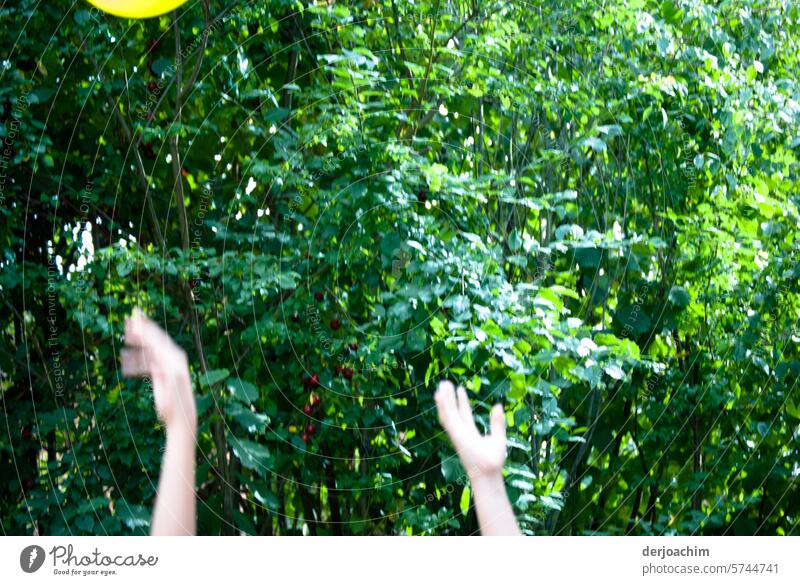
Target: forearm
<point>174,512</point>
<point>495,516</point>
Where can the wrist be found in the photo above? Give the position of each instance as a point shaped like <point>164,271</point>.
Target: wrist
<point>487,480</point>
<point>184,427</point>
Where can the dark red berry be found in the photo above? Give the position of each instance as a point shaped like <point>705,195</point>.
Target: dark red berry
<point>153,44</point>
<point>296,318</point>
<point>319,296</point>
<point>315,399</point>
<point>314,381</point>
<point>353,347</point>
<point>348,373</point>
<point>422,197</point>
<point>147,149</point>
<point>338,369</point>
<point>152,86</point>
<point>308,409</point>
<point>306,438</point>
<point>28,484</point>
<point>336,324</point>
<point>311,429</point>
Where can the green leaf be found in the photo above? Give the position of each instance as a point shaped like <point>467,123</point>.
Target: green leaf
<point>451,469</point>
<point>252,455</point>
<point>614,371</point>
<point>465,500</point>
<point>40,95</point>
<point>435,176</point>
<point>161,65</point>
<point>679,296</point>
<point>265,496</point>
<point>595,143</point>
<point>252,422</point>
<point>213,377</point>
<point>633,318</point>
<point>242,390</point>
<point>134,516</point>
<point>85,523</point>
<point>588,257</point>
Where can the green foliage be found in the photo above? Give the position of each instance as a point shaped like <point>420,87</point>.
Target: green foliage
<point>587,212</point>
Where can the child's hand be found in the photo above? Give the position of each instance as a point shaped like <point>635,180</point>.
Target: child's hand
<point>480,455</point>
<point>151,352</point>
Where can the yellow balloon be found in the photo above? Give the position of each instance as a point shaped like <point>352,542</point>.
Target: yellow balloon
<point>136,8</point>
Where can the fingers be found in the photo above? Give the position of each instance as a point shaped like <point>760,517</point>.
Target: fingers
<point>446,405</point>
<point>148,347</point>
<point>155,334</point>
<point>134,334</point>
<point>134,362</point>
<point>142,331</point>
<point>497,423</point>
<point>454,410</point>
<point>464,409</point>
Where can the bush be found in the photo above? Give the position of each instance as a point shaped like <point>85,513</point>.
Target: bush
<point>589,214</point>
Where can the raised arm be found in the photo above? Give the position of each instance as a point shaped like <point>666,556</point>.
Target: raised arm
<point>150,352</point>
<point>482,456</point>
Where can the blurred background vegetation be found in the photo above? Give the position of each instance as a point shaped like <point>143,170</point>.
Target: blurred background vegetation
<point>587,211</point>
